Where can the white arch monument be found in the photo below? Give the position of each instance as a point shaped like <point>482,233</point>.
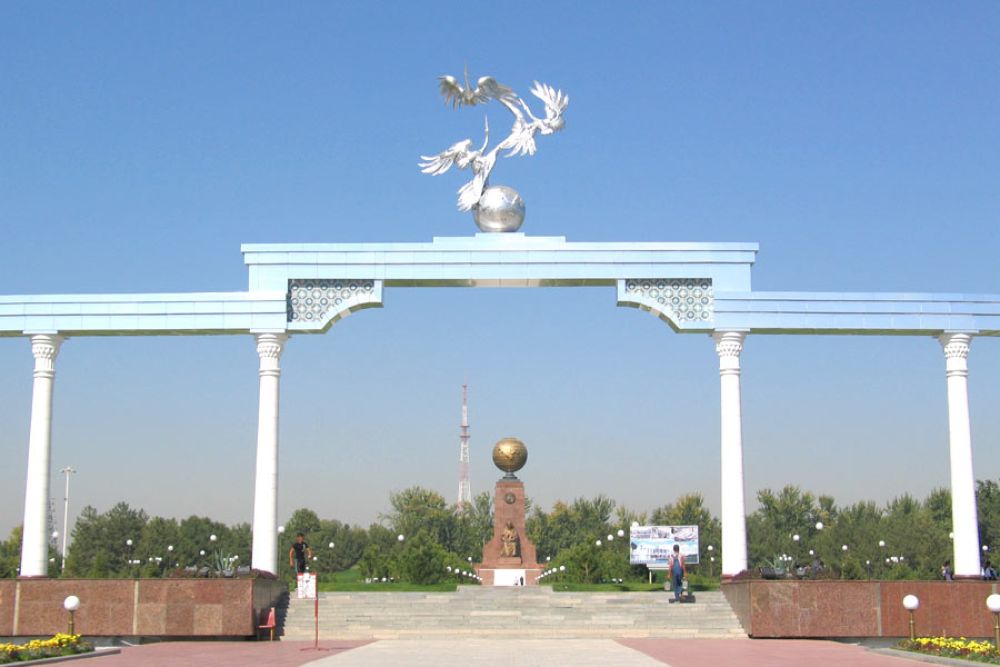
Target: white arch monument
<point>694,287</point>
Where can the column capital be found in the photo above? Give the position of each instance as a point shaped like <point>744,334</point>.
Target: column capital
<point>729,343</point>
<point>45,349</point>
<point>270,345</point>
<point>956,353</point>
<point>729,346</point>
<point>955,345</point>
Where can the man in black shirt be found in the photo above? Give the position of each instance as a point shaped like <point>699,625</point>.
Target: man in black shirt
<point>299,554</point>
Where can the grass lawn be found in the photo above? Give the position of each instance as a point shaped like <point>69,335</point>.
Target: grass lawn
<point>696,584</point>
<point>352,580</point>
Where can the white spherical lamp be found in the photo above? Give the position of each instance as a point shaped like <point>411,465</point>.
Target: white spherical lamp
<point>912,603</point>
<point>71,604</point>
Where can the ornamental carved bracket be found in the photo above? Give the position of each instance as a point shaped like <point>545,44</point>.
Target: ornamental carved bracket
<point>683,303</point>
<point>315,304</point>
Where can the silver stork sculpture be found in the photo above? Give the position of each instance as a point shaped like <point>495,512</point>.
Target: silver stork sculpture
<point>498,208</point>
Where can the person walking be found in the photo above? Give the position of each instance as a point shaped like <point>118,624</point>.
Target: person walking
<point>677,571</point>
<point>299,554</point>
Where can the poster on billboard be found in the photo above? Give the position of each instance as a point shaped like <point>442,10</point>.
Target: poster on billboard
<point>653,545</point>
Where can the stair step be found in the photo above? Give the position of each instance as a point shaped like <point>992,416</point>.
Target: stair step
<point>488,612</point>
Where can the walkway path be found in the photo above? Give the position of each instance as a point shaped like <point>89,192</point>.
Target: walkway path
<point>505,653</point>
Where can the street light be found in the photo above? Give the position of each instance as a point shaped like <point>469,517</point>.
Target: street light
<point>72,603</point>
<point>66,471</point>
<point>400,537</point>
<point>621,533</point>
<point>911,603</point>
<point>598,543</point>
<point>819,525</point>
<point>993,604</point>
<point>795,537</point>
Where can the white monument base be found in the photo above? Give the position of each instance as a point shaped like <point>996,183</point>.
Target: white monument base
<point>509,577</point>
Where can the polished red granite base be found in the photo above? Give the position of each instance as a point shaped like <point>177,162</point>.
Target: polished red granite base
<point>860,608</point>
<point>137,607</point>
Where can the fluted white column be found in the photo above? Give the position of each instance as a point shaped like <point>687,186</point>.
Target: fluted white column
<point>964,519</point>
<point>729,345</point>
<point>34,544</point>
<point>265,499</point>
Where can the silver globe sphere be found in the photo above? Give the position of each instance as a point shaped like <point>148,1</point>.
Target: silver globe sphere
<point>500,209</point>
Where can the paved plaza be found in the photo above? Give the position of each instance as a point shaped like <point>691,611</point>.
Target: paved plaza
<point>507,653</point>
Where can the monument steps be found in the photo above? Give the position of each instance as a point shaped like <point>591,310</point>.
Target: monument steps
<point>535,612</point>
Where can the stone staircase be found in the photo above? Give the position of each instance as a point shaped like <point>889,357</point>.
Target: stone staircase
<point>532,611</point>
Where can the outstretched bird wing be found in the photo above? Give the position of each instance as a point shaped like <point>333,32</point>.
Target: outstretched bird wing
<point>442,162</point>
<point>522,138</point>
<point>488,88</point>
<point>555,101</point>
<point>452,91</point>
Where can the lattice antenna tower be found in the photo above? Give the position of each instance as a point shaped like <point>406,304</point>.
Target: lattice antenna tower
<point>464,486</point>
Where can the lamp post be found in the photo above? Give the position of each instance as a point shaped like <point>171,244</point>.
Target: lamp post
<point>128,543</point>
<point>71,604</point>
<point>66,471</point>
<point>911,603</point>
<point>993,604</point>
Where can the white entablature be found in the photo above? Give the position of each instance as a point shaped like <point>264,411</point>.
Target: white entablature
<point>695,287</point>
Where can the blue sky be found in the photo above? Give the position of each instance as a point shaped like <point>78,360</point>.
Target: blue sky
<point>141,143</point>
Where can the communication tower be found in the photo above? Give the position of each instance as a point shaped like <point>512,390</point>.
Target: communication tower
<point>464,487</point>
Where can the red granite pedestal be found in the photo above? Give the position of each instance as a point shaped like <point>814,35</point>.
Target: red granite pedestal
<point>497,569</point>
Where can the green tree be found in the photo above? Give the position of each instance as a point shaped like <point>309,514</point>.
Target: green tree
<point>582,561</point>
<point>194,536</point>
<point>99,547</point>
<point>779,517</point>
<point>10,554</point>
<point>422,560</point>
<point>158,541</point>
<point>416,508</point>
<point>374,564</point>
<point>988,502</point>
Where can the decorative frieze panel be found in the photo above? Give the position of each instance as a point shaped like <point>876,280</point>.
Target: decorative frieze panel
<point>687,302</point>
<point>321,301</point>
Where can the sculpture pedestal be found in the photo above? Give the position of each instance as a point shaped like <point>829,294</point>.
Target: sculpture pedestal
<point>499,567</point>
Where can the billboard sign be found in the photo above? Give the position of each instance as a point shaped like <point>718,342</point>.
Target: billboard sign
<point>653,545</point>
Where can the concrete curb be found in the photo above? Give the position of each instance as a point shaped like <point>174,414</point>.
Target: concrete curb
<point>923,657</point>
<point>96,653</point>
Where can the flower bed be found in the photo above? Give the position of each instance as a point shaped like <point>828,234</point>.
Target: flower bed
<point>950,647</point>
<point>59,645</point>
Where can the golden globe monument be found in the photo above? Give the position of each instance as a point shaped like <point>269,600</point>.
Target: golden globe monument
<point>509,558</point>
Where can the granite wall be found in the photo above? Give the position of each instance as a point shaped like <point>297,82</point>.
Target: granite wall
<point>138,607</point>
<point>860,608</point>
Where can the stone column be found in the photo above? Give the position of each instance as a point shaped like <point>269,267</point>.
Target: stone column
<point>34,544</point>
<point>729,345</point>
<point>265,499</point>
<point>964,520</point>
